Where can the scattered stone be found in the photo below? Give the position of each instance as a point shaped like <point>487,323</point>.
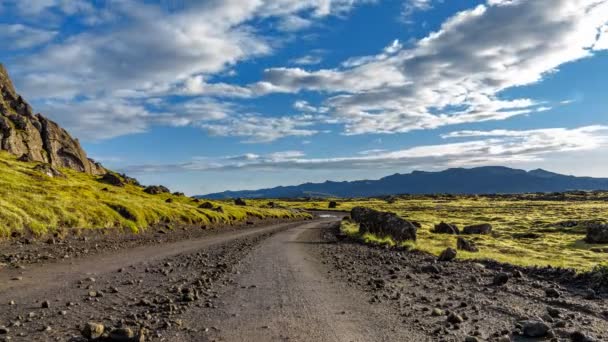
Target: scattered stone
<point>446,228</point>
<point>122,335</point>
<point>501,279</point>
<point>484,228</point>
<point>206,205</point>
<point>597,233</point>
<point>553,312</point>
<point>113,179</point>
<point>466,245</point>
<point>528,235</point>
<point>437,312</point>
<point>240,201</point>
<point>93,331</point>
<point>4,330</point>
<point>552,293</point>
<point>156,190</point>
<point>46,304</point>
<point>447,255</point>
<point>431,269</point>
<point>471,339</point>
<point>332,205</point>
<point>590,294</point>
<point>578,336</point>
<point>533,328</point>
<point>455,318</point>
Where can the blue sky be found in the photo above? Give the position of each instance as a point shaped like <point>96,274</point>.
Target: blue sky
<point>205,96</point>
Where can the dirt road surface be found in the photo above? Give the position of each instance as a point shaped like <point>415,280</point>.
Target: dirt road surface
<point>286,282</point>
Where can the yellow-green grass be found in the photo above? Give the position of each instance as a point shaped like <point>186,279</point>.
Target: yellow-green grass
<point>31,201</point>
<point>558,246</point>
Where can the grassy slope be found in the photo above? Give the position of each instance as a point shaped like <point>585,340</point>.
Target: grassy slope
<point>30,200</point>
<point>559,246</point>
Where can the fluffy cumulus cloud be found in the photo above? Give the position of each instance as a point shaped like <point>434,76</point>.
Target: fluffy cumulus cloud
<point>147,50</point>
<point>456,75</point>
<point>488,147</point>
<point>130,69</point>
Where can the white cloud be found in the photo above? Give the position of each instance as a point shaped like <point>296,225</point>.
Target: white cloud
<point>307,60</point>
<point>261,129</point>
<point>456,75</point>
<point>147,51</point>
<point>412,6</point>
<point>18,36</point>
<point>500,147</point>
<point>602,42</point>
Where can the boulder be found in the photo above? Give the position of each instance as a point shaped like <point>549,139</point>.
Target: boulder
<point>122,335</point>
<point>206,205</point>
<point>484,228</point>
<point>535,329</point>
<point>112,179</point>
<point>446,228</point>
<point>447,255</point>
<point>597,233</point>
<point>383,224</point>
<point>156,190</point>
<point>93,331</point>
<point>501,279</point>
<point>240,201</point>
<point>466,245</point>
<point>332,205</point>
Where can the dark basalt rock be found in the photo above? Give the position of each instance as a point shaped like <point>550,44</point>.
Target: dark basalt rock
<point>156,190</point>
<point>466,245</point>
<point>383,224</point>
<point>484,228</point>
<point>597,233</point>
<point>446,228</point>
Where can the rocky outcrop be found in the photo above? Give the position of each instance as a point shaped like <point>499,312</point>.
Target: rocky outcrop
<point>33,137</point>
<point>383,224</point>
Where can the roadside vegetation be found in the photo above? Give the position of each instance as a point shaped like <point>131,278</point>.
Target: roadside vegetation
<point>31,201</point>
<point>528,230</point>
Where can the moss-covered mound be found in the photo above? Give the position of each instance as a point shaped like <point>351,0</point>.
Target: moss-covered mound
<point>34,201</point>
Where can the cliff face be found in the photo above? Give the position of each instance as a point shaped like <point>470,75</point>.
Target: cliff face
<point>35,137</point>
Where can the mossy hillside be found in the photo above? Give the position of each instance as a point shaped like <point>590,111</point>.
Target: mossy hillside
<point>557,244</point>
<point>32,201</point>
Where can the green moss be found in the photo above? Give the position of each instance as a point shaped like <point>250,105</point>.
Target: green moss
<point>32,201</point>
<point>556,245</point>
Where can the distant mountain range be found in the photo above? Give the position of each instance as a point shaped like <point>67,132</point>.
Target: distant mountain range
<point>480,180</point>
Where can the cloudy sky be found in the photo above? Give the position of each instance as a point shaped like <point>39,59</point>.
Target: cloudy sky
<point>210,95</point>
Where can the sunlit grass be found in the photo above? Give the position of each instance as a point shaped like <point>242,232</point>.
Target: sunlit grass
<point>557,246</point>
<point>35,202</point>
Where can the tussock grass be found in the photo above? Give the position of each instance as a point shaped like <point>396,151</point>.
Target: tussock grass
<point>32,201</point>
<point>558,245</point>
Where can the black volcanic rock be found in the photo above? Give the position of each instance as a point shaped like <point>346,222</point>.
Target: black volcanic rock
<point>481,180</point>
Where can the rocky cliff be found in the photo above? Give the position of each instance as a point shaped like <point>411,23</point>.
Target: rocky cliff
<point>36,138</point>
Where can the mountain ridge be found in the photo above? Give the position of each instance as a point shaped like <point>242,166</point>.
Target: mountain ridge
<point>479,180</point>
